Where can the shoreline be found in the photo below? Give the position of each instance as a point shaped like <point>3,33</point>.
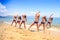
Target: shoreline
<point>58,26</point>
<point>52,28</point>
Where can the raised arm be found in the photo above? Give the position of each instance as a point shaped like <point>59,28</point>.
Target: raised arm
<point>51,15</point>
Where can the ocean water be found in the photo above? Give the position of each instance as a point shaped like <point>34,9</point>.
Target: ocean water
<point>30,19</point>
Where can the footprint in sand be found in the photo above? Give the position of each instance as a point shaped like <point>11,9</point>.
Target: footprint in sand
<point>48,39</point>
<point>32,30</point>
<point>11,38</point>
<point>43,38</point>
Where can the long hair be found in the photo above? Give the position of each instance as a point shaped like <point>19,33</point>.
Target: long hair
<point>45,18</point>
<point>19,17</point>
<point>15,17</point>
<point>51,19</point>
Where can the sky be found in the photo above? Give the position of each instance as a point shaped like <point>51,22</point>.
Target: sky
<point>30,7</point>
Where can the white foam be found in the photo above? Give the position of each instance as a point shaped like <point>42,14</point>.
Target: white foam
<point>7,22</point>
<point>54,29</point>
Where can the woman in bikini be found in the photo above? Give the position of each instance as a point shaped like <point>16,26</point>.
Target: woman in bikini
<point>37,15</point>
<point>50,21</point>
<point>14,20</point>
<point>19,20</point>
<point>43,22</point>
<point>24,19</point>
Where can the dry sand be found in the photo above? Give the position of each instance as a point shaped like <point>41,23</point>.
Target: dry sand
<point>8,32</point>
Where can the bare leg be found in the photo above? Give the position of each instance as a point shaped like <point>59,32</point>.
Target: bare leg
<point>44,27</point>
<point>31,25</point>
<point>12,23</point>
<point>49,25</point>
<point>24,25</point>
<point>37,27</point>
<point>15,24</point>
<point>46,24</point>
<point>20,25</point>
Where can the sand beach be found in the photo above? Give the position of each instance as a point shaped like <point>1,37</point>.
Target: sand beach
<point>8,32</point>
